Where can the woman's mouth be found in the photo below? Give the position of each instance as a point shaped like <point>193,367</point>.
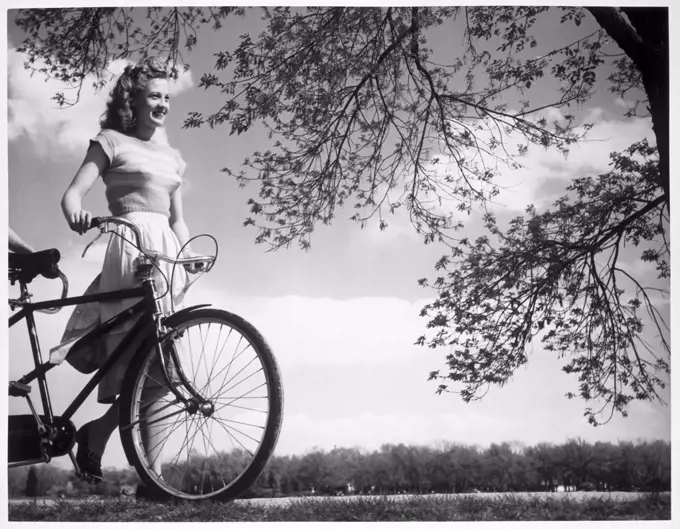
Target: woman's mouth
<point>158,114</point>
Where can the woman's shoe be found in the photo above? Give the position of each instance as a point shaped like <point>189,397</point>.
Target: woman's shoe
<point>144,493</point>
<point>88,462</point>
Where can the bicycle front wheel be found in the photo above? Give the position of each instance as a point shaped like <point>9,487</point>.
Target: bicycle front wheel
<point>215,445</point>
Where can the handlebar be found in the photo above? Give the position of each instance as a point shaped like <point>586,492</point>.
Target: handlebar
<point>26,267</point>
<point>102,223</point>
<point>52,271</point>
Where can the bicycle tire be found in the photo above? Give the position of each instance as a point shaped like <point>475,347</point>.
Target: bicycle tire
<point>142,376</point>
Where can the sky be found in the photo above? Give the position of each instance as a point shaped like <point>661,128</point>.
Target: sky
<point>342,318</point>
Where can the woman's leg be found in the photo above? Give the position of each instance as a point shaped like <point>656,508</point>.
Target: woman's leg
<point>154,428</point>
<point>100,430</point>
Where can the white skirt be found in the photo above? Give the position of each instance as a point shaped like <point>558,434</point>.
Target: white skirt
<point>118,272</point>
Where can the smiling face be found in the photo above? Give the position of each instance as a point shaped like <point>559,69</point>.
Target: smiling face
<point>152,104</point>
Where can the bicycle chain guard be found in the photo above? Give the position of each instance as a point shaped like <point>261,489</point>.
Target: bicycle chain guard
<point>27,442</point>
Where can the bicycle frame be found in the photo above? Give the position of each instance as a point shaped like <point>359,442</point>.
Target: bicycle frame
<point>146,323</point>
<point>150,326</point>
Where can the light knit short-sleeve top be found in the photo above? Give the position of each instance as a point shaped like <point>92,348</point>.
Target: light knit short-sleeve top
<point>141,176</point>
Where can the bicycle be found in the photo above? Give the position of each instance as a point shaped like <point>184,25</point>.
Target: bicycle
<point>178,382</point>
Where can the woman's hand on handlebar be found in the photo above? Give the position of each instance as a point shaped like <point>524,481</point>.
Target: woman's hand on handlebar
<point>80,221</point>
<point>192,268</point>
<point>83,221</point>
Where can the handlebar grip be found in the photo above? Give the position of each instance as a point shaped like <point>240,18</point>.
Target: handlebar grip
<point>52,271</point>
<point>95,222</point>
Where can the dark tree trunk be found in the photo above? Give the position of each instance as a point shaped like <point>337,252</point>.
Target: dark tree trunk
<point>642,33</point>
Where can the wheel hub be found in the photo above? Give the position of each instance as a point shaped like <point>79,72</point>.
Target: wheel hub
<point>207,409</point>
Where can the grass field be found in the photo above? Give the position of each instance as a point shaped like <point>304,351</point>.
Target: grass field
<point>480,507</point>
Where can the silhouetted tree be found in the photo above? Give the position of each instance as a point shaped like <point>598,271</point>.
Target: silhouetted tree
<point>363,113</point>
<point>32,490</point>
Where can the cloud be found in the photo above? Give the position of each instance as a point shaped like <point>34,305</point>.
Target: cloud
<point>553,114</point>
<point>627,104</point>
<point>325,331</point>
<point>370,430</point>
<point>55,131</point>
<point>470,424</point>
<point>527,184</point>
<point>594,115</point>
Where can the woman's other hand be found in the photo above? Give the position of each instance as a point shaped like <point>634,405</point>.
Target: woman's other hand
<point>192,268</point>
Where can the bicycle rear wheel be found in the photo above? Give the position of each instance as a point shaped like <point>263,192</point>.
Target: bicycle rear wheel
<point>211,450</point>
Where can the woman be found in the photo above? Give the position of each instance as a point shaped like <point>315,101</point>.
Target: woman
<point>143,176</point>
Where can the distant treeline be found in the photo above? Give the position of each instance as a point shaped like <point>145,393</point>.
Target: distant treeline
<point>455,468</point>
<point>393,469</point>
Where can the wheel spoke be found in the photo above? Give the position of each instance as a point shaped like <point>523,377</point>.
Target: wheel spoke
<point>242,396</point>
<point>187,439</point>
<point>170,403</point>
<point>228,429</point>
<point>207,459</point>
<point>248,409</point>
<point>202,358</point>
<point>240,382</point>
<point>227,367</point>
<point>191,351</point>
<point>235,357</point>
<point>218,355</point>
<point>174,427</point>
<point>226,382</point>
<point>135,423</point>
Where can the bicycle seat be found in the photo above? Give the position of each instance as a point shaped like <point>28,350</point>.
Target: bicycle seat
<point>26,267</point>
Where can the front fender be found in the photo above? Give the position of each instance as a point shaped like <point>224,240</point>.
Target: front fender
<point>170,320</point>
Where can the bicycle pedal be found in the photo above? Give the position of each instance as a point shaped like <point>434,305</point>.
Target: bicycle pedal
<point>95,479</point>
<point>89,478</point>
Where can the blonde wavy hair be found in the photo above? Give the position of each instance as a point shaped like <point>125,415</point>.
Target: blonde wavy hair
<point>120,113</point>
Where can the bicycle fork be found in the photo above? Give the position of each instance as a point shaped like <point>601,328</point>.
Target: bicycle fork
<point>196,403</point>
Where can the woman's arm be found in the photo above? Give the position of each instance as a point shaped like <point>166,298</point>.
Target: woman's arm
<point>17,244</point>
<point>180,228</point>
<point>94,164</point>
<point>177,223</point>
